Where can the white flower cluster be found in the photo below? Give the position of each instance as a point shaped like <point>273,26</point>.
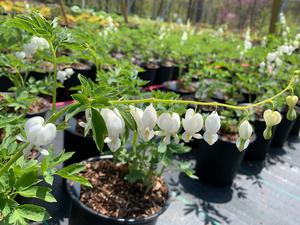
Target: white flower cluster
<point>247,42</point>
<point>29,49</point>
<point>63,75</point>
<point>169,125</point>
<point>274,61</point>
<point>285,29</point>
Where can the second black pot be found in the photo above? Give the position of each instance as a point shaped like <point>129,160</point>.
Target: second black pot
<point>164,73</point>
<point>83,147</point>
<point>282,132</point>
<point>83,215</point>
<point>219,163</point>
<point>258,150</point>
<point>148,75</point>
<point>5,83</point>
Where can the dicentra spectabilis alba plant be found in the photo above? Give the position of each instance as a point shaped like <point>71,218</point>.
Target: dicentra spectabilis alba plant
<point>272,119</point>
<point>63,75</point>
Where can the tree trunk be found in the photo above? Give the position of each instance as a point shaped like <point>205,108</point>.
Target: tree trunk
<point>124,9</point>
<point>189,7</point>
<point>274,16</point>
<point>198,11</point>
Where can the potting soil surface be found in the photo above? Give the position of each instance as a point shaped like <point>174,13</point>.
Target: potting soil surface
<point>262,194</point>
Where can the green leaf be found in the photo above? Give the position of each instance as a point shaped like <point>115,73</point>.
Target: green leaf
<point>178,148</point>
<point>162,147</point>
<point>38,192</point>
<point>70,172</point>
<point>186,168</point>
<point>77,107</point>
<point>7,206</point>
<point>61,158</point>
<point>99,129</point>
<point>27,180</point>
<point>80,98</point>
<point>100,101</point>
<point>33,212</point>
<point>134,175</point>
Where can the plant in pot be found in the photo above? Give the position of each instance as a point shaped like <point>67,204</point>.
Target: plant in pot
<point>219,163</point>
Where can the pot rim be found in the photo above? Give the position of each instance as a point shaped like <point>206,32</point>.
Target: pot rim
<point>46,109</point>
<point>70,190</point>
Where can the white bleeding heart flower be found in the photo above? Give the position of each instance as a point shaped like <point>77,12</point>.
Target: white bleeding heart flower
<point>21,55</point>
<point>212,126</point>
<point>169,124</point>
<point>145,121</point>
<point>69,71</point>
<point>115,127</point>
<point>272,118</point>
<point>40,43</point>
<point>38,134</point>
<point>192,124</point>
<point>29,49</point>
<point>63,75</point>
<point>245,132</point>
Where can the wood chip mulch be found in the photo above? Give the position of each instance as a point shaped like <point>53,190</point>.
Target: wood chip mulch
<point>112,196</point>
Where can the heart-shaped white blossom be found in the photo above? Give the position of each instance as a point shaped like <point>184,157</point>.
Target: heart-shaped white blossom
<point>145,121</point>
<point>192,124</point>
<point>212,126</point>
<point>39,134</point>
<point>169,124</point>
<point>115,127</point>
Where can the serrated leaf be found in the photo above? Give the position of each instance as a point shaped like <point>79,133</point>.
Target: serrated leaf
<point>70,172</point>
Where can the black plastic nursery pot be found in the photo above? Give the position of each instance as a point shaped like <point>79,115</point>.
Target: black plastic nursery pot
<point>164,73</point>
<point>174,87</point>
<point>148,75</point>
<point>258,150</point>
<point>83,147</point>
<point>5,83</point>
<point>64,94</point>
<point>282,132</point>
<point>37,75</point>
<point>219,163</point>
<point>83,215</point>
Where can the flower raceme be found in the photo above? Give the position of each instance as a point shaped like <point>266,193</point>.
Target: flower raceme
<point>245,132</point>
<point>192,124</point>
<point>115,127</point>
<point>145,121</point>
<point>212,126</point>
<point>272,118</point>
<point>38,134</point>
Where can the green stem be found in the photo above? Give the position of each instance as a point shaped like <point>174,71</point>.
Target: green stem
<point>216,104</point>
<point>18,154</point>
<point>54,77</point>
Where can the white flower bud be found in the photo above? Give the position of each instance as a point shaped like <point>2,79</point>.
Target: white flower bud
<point>245,132</point>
